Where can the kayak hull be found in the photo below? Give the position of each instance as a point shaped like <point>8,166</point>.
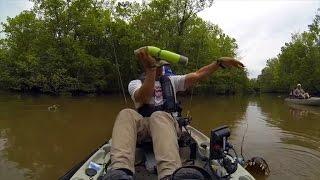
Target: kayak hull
<point>102,157</point>
<point>313,101</point>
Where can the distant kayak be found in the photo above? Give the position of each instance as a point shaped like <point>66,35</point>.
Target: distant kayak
<point>313,101</point>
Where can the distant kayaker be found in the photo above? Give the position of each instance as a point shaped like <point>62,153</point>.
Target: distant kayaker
<point>154,97</point>
<point>300,93</point>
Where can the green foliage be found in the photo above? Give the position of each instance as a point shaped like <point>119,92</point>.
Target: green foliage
<point>75,45</point>
<point>298,62</point>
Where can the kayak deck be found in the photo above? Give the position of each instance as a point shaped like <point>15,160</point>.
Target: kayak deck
<point>146,167</point>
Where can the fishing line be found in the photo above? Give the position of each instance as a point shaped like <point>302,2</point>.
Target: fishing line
<point>119,74</point>
<point>197,64</point>
<point>191,96</point>
<point>243,137</point>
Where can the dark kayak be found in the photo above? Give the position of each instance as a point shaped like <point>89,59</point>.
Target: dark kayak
<point>313,101</point>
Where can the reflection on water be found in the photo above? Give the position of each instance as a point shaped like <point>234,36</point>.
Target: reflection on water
<point>299,143</point>
<point>39,144</point>
<point>301,111</point>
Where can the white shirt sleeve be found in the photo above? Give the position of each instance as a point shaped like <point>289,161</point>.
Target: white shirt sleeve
<point>132,87</point>
<point>178,82</point>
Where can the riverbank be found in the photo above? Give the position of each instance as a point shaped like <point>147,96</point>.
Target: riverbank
<point>196,91</point>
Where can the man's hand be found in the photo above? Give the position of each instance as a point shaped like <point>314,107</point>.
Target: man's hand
<point>146,60</point>
<point>229,62</point>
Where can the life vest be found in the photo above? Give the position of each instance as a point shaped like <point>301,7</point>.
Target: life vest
<point>169,101</point>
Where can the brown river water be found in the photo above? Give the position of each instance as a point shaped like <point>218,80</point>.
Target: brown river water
<point>36,143</point>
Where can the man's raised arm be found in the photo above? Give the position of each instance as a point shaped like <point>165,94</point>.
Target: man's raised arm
<point>145,92</point>
<point>206,71</point>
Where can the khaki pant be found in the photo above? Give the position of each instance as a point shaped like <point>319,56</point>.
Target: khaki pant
<point>130,127</point>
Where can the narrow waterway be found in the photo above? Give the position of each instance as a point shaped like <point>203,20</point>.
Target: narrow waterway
<point>36,143</point>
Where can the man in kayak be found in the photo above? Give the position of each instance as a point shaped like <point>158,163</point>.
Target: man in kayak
<point>154,117</point>
<point>300,93</point>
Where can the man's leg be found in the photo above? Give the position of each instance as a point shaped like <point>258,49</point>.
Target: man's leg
<point>163,129</point>
<point>128,124</point>
<point>306,95</point>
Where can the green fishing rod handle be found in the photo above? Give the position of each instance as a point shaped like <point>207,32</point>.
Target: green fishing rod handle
<point>169,56</point>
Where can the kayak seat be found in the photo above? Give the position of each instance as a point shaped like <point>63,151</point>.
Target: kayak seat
<point>150,162</point>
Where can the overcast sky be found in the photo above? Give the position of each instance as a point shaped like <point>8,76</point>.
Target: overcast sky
<point>260,27</point>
